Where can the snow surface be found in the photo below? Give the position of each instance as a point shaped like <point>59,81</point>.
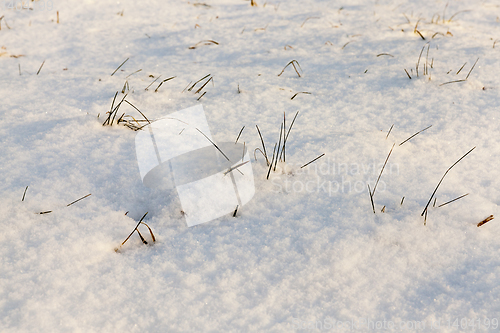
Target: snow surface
<point>307,249</point>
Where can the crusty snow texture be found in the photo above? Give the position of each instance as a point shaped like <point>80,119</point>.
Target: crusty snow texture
<point>307,252</point>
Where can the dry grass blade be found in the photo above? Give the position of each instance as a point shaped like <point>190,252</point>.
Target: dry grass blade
<point>279,144</point>
<point>183,90</point>
<point>312,160</point>
<point>418,62</point>
<point>301,92</point>
<point>435,190</point>
<point>142,114</point>
<point>452,16</point>
<point>406,17</point>
<point>121,119</point>
<point>387,159</point>
<point>79,200</point>
<point>437,33</point>
<point>263,145</point>
<point>203,42</point>
<point>415,134</point>
<point>125,87</point>
<point>213,143</point>
<point>460,197</point>
<point>461,68</point>
<point>255,157</point>
<point>444,10</point>
<point>170,78</point>
<point>261,29</point>
<point>244,151</point>
<point>235,167</point>
<point>8,27</point>
<point>288,133</point>
<point>39,69</point>
<point>371,198</point>
<point>309,18</point>
<point>343,46</point>
<point>427,60</point>
<point>235,211</point>
<point>239,134</point>
<point>142,238</point>
<point>152,82</point>
<point>384,54</point>
<point>421,36</point>
<point>416,25</point>
<point>24,194</point>
<point>119,67</point>
<point>150,231</point>
<point>137,71</point>
<point>472,69</point>
<point>201,96</point>
<point>408,74</point>
<point>486,220</point>
<point>112,105</point>
<point>115,110</point>
<point>442,84</point>
<point>283,150</point>
<point>272,161</point>
<point>293,64</point>
<point>390,129</point>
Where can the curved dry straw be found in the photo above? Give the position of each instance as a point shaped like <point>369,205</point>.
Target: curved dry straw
<point>293,62</point>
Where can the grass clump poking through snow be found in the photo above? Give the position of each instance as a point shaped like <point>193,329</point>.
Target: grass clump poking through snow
<point>126,120</point>
<point>136,229</point>
<point>279,151</point>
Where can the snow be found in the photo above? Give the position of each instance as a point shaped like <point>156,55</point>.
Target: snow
<point>307,249</point>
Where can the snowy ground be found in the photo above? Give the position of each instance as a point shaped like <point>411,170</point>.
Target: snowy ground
<point>307,251</point>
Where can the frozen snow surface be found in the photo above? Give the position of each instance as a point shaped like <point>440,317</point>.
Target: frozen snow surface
<point>307,253</point>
